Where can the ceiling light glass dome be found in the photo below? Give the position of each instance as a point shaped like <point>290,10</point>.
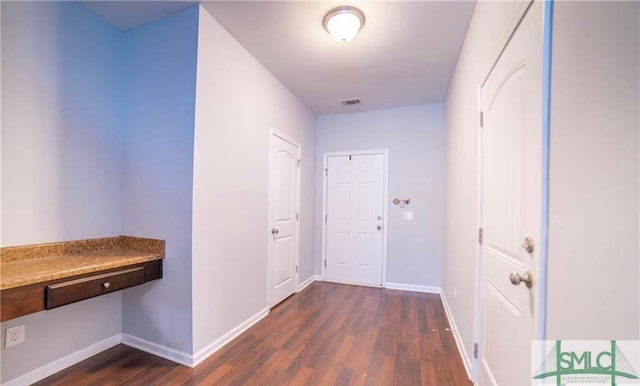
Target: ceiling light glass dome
<point>343,23</point>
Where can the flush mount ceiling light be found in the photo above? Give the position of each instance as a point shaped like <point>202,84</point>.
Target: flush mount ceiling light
<point>343,23</point>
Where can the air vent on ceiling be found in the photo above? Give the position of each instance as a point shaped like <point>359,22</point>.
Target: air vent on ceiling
<point>350,102</point>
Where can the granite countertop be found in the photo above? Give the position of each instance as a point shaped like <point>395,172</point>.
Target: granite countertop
<point>26,265</point>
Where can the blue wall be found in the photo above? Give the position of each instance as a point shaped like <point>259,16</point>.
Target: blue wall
<point>62,115</point>
<point>158,172</point>
<point>97,141</point>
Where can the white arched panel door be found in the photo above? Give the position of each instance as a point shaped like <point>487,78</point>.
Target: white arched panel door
<point>284,192</point>
<point>511,205</point>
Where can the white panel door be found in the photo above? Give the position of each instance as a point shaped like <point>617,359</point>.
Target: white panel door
<point>283,231</point>
<point>511,205</point>
<point>354,233</point>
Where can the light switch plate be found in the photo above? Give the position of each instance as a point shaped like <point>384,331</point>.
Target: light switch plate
<point>408,215</point>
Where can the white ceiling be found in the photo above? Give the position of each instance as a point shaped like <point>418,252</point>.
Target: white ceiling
<point>127,14</point>
<point>404,55</point>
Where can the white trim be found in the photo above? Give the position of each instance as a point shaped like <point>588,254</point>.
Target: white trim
<point>285,137</point>
<point>193,360</point>
<point>229,336</point>
<point>385,211</point>
<point>520,8</point>
<point>385,207</point>
<point>308,282</point>
<point>456,336</point>
<point>64,362</point>
<point>477,322</point>
<point>158,350</point>
<point>356,152</point>
<point>543,262</point>
<point>413,287</point>
<point>353,283</point>
<point>323,218</point>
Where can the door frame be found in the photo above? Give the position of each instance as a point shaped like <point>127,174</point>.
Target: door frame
<point>385,206</point>
<point>540,317</point>
<point>276,133</point>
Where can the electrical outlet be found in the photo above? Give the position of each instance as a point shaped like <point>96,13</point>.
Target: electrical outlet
<point>14,336</point>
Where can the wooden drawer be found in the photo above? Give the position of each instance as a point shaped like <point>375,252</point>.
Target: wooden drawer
<point>71,291</point>
<point>20,301</point>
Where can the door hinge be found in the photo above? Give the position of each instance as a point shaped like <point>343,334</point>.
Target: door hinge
<point>296,269</point>
<point>475,351</point>
<point>480,235</point>
<point>349,157</point>
<point>481,118</point>
<point>325,263</point>
<point>299,162</point>
<point>297,216</point>
<point>325,218</point>
<point>326,172</point>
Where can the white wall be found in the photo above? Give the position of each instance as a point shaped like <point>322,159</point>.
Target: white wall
<point>237,102</point>
<point>61,158</point>
<point>594,196</point>
<point>414,137</point>
<point>158,172</point>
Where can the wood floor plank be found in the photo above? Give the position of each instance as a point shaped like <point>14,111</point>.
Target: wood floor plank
<point>329,334</point>
<point>364,345</point>
<point>219,373</point>
<point>388,370</point>
<point>302,377</point>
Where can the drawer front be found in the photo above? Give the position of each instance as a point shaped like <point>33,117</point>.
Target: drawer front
<point>75,290</point>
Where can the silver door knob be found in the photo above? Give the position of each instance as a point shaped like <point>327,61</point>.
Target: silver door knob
<point>528,244</point>
<point>106,285</point>
<point>274,231</point>
<point>526,277</point>
<point>379,226</point>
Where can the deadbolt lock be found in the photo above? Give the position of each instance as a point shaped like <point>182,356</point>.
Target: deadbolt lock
<point>528,244</point>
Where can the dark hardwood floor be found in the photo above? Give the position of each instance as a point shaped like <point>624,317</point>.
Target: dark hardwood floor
<point>329,334</point>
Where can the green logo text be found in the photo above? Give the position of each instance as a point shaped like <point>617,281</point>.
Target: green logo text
<point>582,364</point>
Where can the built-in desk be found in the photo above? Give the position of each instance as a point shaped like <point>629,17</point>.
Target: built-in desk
<point>45,276</point>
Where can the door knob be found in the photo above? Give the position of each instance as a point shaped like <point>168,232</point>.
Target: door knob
<point>528,244</point>
<point>526,277</point>
<point>274,231</point>
<point>379,226</point>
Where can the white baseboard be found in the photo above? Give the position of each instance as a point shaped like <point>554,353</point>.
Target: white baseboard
<point>308,282</point>
<point>413,287</point>
<point>456,336</point>
<point>138,343</point>
<point>226,338</point>
<point>158,350</point>
<point>64,362</point>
